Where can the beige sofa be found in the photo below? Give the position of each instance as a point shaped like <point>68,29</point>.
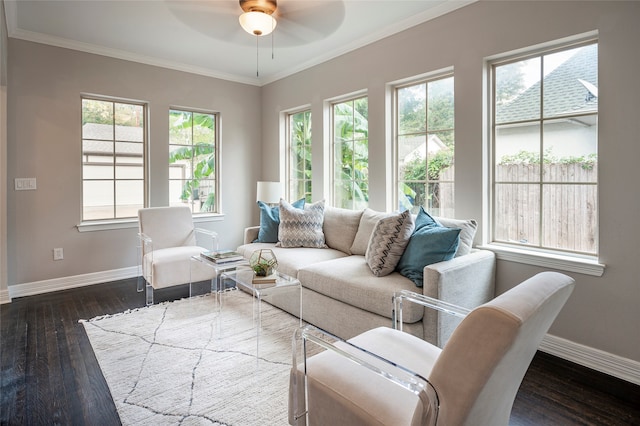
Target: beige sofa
<point>342,296</point>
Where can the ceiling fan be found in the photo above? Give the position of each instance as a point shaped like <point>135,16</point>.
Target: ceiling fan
<point>299,22</point>
<point>257,18</point>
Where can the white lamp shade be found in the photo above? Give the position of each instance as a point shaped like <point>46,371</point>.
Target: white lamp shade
<point>269,192</point>
<point>257,23</point>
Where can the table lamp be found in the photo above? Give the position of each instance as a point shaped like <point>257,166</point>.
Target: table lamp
<point>269,192</point>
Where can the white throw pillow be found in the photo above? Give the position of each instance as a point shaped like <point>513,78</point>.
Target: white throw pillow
<point>467,229</point>
<point>340,227</point>
<point>301,228</point>
<point>365,229</point>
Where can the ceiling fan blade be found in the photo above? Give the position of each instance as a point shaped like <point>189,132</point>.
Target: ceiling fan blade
<point>308,21</point>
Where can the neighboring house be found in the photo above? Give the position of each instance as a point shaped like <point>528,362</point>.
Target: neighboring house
<point>568,90</point>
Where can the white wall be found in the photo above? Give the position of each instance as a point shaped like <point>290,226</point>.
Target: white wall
<point>603,312</point>
<point>44,141</point>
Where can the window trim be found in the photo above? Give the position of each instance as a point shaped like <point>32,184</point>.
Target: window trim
<point>548,258</point>
<point>145,156</point>
<point>288,150</point>
<point>422,79</point>
<point>332,103</point>
<point>217,151</point>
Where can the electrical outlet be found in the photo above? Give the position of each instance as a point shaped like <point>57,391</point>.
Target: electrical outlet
<point>58,254</point>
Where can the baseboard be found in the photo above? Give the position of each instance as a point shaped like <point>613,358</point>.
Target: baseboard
<point>604,362</point>
<point>65,283</point>
<point>4,296</point>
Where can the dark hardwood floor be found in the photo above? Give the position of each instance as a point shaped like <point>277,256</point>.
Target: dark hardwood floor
<point>50,375</point>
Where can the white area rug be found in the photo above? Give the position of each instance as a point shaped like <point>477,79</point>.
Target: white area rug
<point>184,363</point>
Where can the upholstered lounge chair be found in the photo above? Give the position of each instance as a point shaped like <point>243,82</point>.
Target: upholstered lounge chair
<point>387,377</point>
<point>167,242</point>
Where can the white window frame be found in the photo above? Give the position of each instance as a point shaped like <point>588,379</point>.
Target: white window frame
<point>114,222</point>
<point>289,178</point>
<point>424,79</point>
<point>547,258</point>
<point>216,148</point>
<point>332,104</point>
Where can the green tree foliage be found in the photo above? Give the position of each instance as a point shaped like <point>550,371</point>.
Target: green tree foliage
<point>351,133</point>
<point>196,131</point>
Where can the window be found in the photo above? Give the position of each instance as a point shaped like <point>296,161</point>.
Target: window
<point>425,146</point>
<point>545,156</point>
<point>299,167</point>
<point>351,154</point>
<point>113,145</point>
<point>192,160</point>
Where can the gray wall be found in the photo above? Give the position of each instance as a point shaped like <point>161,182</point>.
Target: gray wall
<point>44,142</point>
<point>603,312</point>
<point>3,155</point>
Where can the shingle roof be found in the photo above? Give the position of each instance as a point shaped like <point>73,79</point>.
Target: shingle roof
<point>563,91</point>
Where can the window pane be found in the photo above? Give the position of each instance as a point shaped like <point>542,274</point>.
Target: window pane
<point>440,113</point>
<point>412,196</point>
<point>177,196</point>
<point>412,155</point>
<point>517,91</point>
<point>203,128</point>
<point>113,132</point>
<point>411,109</point>
<point>571,81</point>
<point>574,212</point>
<point>192,160</point>
<point>571,150</point>
<point>440,199</point>
<point>129,197</point>
<point>129,122</point>
<point>97,198</point>
<point>180,127</point>
<point>517,151</point>
<point>517,213</point>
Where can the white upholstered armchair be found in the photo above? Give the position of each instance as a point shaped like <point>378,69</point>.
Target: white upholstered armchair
<point>387,377</point>
<point>167,242</point>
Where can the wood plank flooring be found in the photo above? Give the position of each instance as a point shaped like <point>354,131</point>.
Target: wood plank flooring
<point>50,375</point>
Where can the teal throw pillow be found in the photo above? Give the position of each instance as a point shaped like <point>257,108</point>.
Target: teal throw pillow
<point>429,243</point>
<point>270,221</point>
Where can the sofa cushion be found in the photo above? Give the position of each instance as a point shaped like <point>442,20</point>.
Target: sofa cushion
<point>430,243</point>
<point>467,229</point>
<point>388,241</point>
<point>270,221</point>
<point>340,227</point>
<point>368,221</point>
<point>301,228</point>
<point>350,280</point>
<point>290,260</point>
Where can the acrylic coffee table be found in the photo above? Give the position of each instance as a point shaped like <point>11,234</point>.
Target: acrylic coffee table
<point>242,276</point>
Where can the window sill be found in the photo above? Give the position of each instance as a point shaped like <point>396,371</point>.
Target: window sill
<point>580,264</point>
<point>105,225</point>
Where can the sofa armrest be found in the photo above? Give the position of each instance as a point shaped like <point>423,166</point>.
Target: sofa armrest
<point>467,281</point>
<point>251,234</point>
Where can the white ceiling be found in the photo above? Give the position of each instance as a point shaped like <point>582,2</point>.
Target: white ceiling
<point>204,36</point>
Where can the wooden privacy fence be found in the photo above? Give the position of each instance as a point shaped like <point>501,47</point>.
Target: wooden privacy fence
<point>569,205</point>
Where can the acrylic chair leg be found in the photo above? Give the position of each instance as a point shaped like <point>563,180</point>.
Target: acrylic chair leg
<point>149,294</point>
<point>141,282</point>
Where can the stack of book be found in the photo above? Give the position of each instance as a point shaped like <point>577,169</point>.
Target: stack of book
<point>269,279</point>
<point>222,256</point>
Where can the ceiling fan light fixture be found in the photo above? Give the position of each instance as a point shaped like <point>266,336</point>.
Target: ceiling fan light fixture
<point>257,23</point>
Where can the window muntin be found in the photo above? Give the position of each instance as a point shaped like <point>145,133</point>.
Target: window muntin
<point>545,122</point>
<point>113,146</point>
<point>350,148</point>
<point>299,164</point>
<point>425,146</point>
<point>193,141</point>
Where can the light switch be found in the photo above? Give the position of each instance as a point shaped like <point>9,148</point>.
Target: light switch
<point>25,184</point>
